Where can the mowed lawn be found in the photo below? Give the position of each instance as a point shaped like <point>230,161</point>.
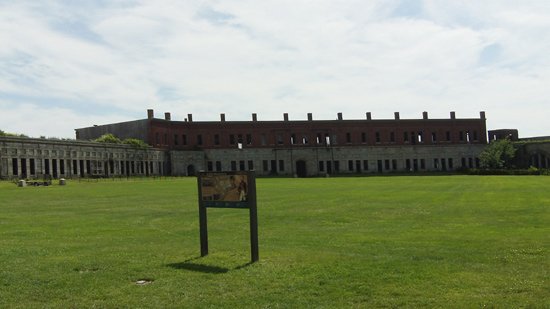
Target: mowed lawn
<point>442,241</point>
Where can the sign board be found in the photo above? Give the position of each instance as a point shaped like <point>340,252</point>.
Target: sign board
<point>228,190</point>
<point>224,190</point>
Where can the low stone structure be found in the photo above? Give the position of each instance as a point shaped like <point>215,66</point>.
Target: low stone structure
<point>30,158</point>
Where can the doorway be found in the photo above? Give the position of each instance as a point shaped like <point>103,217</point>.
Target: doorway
<point>301,169</point>
<point>190,170</point>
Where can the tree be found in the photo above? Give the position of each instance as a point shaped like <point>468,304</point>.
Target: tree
<point>134,142</point>
<point>108,138</point>
<point>498,154</point>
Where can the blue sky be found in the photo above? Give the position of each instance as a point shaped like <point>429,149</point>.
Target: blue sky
<point>72,64</point>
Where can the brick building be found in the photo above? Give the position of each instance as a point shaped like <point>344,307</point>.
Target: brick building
<point>308,147</point>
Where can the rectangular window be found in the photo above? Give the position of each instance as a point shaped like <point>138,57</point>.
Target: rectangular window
<point>199,139</point>
<point>348,137</point>
<point>461,135</point>
<point>210,166</point>
<point>321,166</point>
<point>265,165</point>
<point>165,138</point>
<point>387,164</point>
<point>358,166</point>
<point>434,137</point>
<point>422,163</point>
<point>443,164</point>
<point>366,165</point>
<point>218,166</point>
<point>157,138</point>
<point>175,139</point>
<point>281,165</point>
<point>232,140</point>
<point>394,164</point>
<point>350,165</point>
<point>392,137</point>
<point>319,138</point>
<point>250,165</point>
<point>406,136</point>
<point>62,167</point>
<point>363,137</point>
<point>263,140</point>
<point>475,135</point>
<point>292,138</point>
<point>408,164</point>
<point>233,165</point>
<point>436,164</point>
<point>279,139</point>
<point>273,167</point>
<point>249,139</point>
<point>304,140</point>
<point>448,136</point>
<point>216,139</point>
<point>241,165</point>
<point>377,137</point>
<point>450,160</point>
<point>329,167</point>
<point>184,139</point>
<point>337,166</point>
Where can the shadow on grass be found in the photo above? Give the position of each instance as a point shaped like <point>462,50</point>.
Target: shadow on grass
<point>190,265</point>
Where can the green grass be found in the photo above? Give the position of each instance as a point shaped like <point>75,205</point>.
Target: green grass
<point>447,241</point>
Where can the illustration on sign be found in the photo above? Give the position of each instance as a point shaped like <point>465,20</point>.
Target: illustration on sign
<point>228,187</point>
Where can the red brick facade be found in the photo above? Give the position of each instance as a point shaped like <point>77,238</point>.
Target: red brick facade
<point>190,135</point>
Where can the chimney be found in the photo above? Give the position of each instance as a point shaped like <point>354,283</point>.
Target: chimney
<point>254,117</point>
<point>190,117</point>
<point>453,115</point>
<point>309,116</point>
<point>285,116</point>
<point>369,116</point>
<point>340,116</point>
<point>396,115</point>
<point>482,115</point>
<point>150,114</point>
<point>424,115</point>
<point>222,117</point>
<point>167,116</point>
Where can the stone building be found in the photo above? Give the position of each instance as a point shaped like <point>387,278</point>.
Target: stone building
<point>308,147</point>
<point>34,158</point>
<point>286,147</point>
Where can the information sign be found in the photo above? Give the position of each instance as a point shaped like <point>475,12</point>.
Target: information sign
<point>228,190</point>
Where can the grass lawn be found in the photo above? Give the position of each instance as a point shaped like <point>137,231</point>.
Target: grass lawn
<point>441,241</point>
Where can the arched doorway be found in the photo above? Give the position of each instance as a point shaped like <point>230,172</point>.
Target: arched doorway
<point>190,170</point>
<point>301,169</point>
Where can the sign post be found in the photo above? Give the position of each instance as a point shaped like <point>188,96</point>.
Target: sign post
<point>228,190</point>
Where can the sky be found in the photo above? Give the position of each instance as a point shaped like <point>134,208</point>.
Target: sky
<point>72,64</point>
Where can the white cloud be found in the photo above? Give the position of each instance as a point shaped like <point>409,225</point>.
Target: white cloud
<point>271,57</point>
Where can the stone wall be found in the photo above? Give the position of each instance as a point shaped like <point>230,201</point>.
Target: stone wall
<point>339,160</point>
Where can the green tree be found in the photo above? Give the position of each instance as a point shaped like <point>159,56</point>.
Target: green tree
<point>108,138</point>
<point>134,142</point>
<point>498,154</point>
